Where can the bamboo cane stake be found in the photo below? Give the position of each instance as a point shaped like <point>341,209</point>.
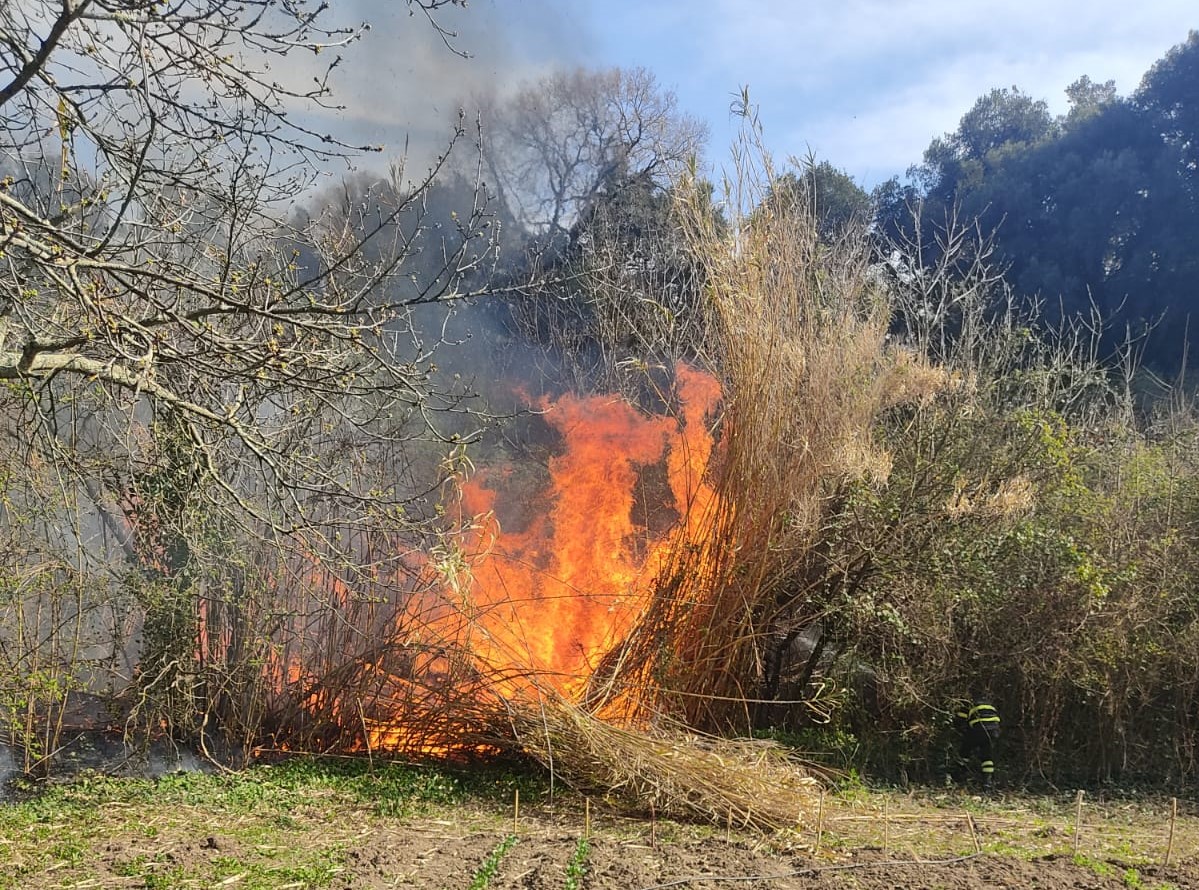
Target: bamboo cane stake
<point>587,817</point>
<point>653,826</point>
<point>1173,819</point>
<point>515,810</point>
<point>820,822</point>
<point>978,847</point>
<point>1078,822</point>
<point>886,826</point>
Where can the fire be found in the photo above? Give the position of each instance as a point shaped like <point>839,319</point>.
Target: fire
<point>554,567</point>
<point>553,597</point>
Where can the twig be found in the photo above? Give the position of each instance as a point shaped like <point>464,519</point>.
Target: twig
<point>366,737</point>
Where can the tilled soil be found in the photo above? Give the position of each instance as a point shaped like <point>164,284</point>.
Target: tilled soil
<point>539,861</point>
<point>321,840</point>
<point>437,855</point>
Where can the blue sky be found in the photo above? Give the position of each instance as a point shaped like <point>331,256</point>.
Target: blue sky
<point>867,83</point>
<point>864,84</point>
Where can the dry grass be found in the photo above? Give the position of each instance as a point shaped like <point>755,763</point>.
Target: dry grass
<point>801,352</point>
<point>749,784</point>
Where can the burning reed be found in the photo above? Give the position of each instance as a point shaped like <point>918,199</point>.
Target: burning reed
<point>576,633</point>
<point>803,364</point>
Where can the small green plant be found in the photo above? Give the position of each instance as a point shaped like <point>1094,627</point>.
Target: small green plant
<point>69,851</point>
<point>487,870</point>
<point>129,868</point>
<point>167,880</point>
<point>852,787</point>
<point>576,869</point>
<point>1103,869</point>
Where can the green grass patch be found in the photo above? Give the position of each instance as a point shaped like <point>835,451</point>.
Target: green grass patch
<point>263,807</point>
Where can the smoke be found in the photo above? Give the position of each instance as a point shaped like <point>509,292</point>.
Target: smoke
<point>403,83</point>
<point>401,86</point>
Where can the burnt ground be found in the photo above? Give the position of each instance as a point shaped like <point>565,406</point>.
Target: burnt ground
<point>306,828</point>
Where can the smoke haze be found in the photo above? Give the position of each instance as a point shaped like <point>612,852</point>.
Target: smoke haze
<point>401,86</point>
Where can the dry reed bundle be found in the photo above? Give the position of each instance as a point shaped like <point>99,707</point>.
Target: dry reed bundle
<point>753,784</point>
<point>803,361</point>
<point>801,356</point>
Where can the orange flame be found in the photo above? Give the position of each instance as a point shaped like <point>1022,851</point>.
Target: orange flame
<point>555,596</point>
<point>547,597</point>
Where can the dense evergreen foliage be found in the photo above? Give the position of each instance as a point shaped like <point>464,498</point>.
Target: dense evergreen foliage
<point>1098,207</point>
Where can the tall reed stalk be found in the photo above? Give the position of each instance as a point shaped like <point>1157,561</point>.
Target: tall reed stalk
<point>802,358</point>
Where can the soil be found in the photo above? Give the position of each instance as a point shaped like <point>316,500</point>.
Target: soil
<point>310,829</point>
<point>440,854</point>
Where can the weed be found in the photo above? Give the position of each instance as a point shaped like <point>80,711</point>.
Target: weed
<point>68,851</point>
<point>1103,869</point>
<point>130,868</point>
<point>172,879</point>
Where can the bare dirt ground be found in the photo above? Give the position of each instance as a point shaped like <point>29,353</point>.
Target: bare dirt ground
<point>405,830</point>
<point>539,859</point>
<point>440,854</point>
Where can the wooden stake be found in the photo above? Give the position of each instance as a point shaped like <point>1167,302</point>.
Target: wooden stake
<point>587,817</point>
<point>1173,819</point>
<point>653,826</point>
<point>820,822</point>
<point>978,848</point>
<point>886,825</point>
<point>515,810</point>
<point>1078,822</point>
<point>728,828</point>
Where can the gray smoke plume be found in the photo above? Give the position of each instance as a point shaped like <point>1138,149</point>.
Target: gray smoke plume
<point>403,82</point>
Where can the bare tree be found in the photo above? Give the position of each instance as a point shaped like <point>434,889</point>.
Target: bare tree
<point>151,153</point>
<point>197,361</point>
<point>564,141</point>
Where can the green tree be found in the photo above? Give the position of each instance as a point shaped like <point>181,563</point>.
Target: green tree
<point>1169,92</point>
<point>1094,210</point>
<point>837,201</point>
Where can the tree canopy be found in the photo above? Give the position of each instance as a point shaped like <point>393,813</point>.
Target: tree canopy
<point>1097,208</point>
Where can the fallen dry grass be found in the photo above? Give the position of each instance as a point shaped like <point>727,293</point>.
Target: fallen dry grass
<point>751,784</point>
